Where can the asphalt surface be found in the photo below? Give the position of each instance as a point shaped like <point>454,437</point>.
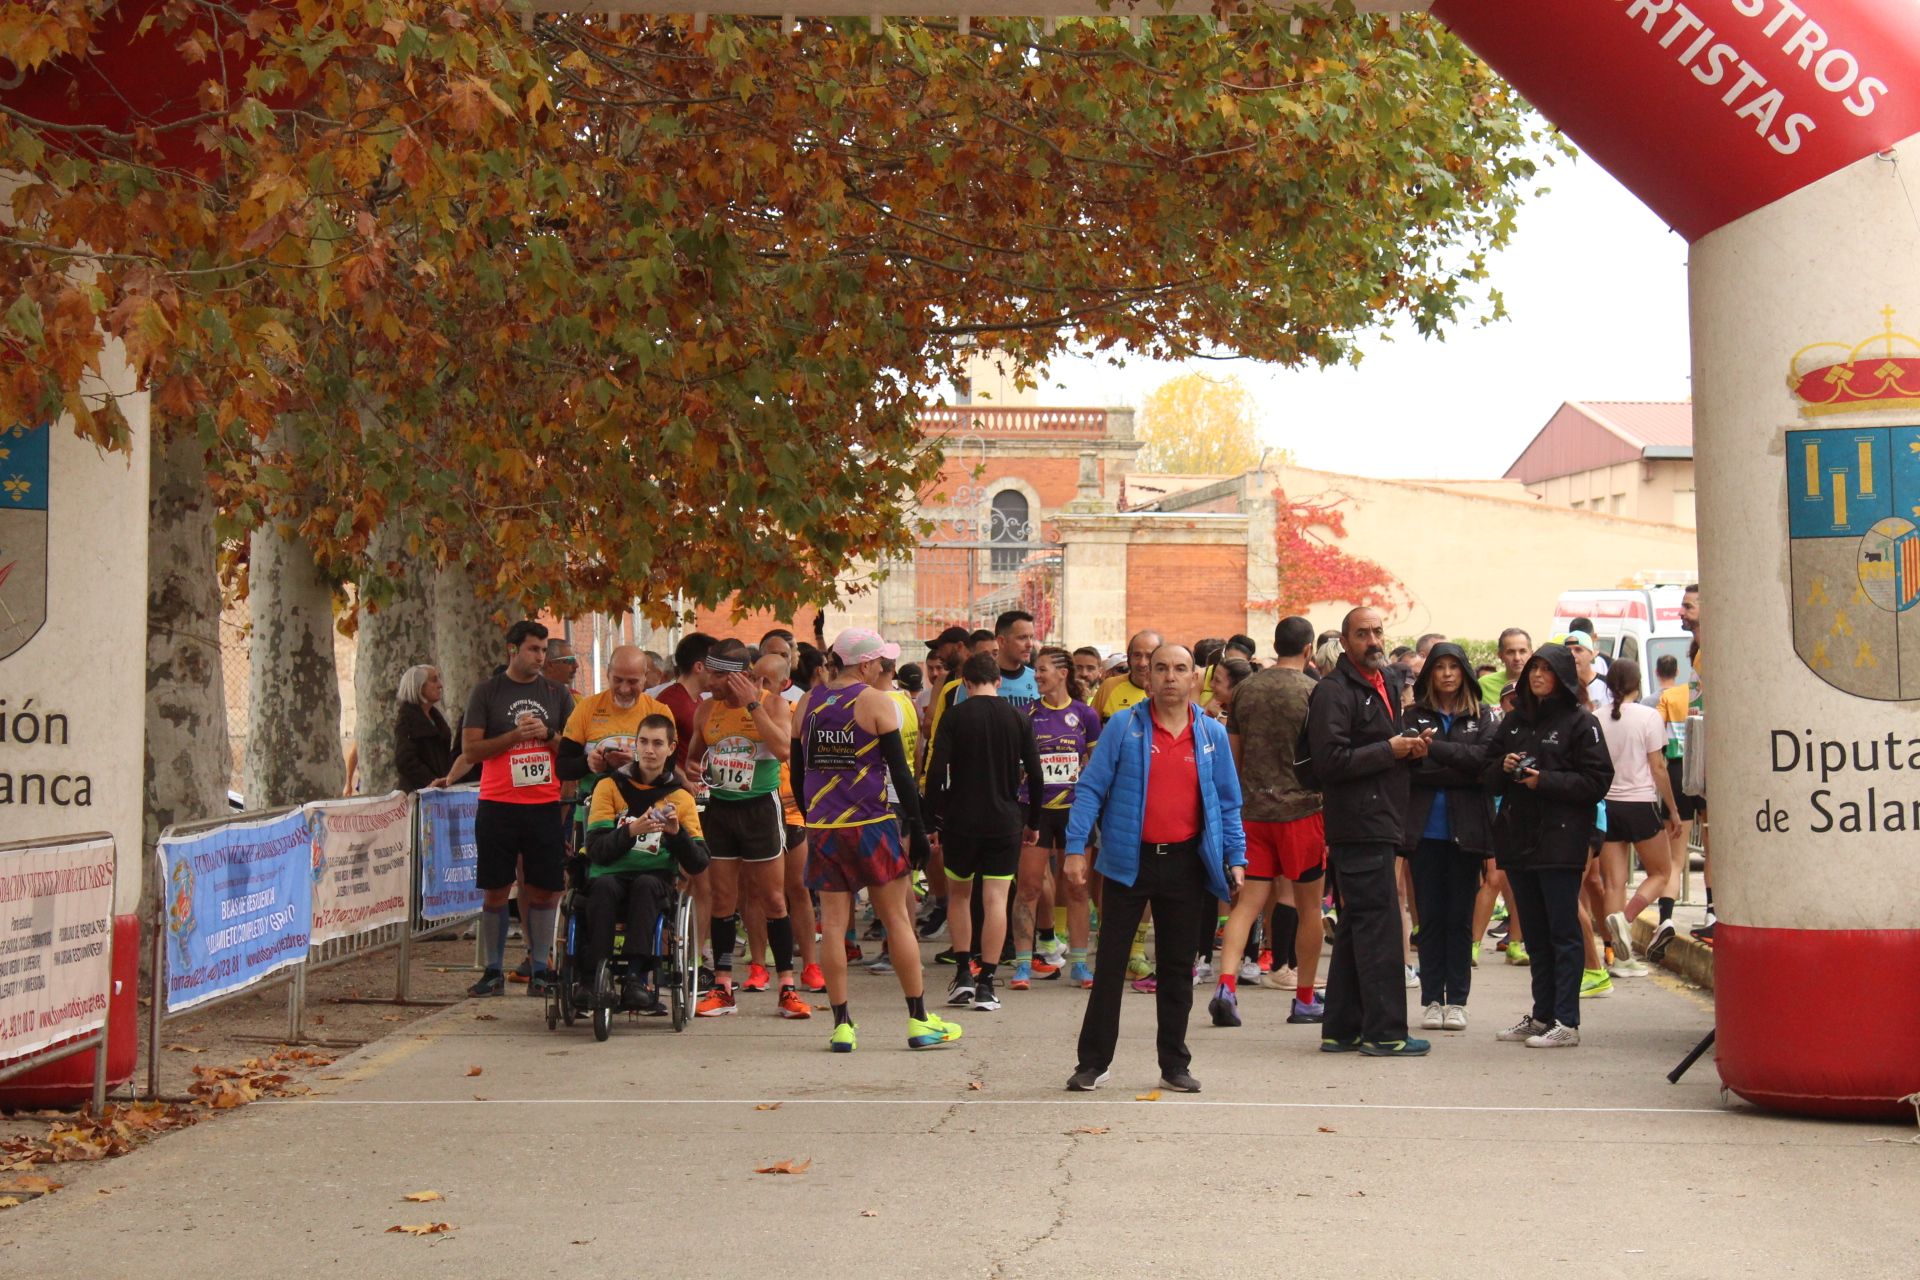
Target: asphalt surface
<point>638,1157</point>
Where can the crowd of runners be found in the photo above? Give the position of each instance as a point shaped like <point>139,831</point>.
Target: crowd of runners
<point>1171,817</point>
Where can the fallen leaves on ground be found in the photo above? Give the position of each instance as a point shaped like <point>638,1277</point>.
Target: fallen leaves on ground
<point>79,1137</point>
<point>869,1213</point>
<point>766,1106</point>
<point>486,1017</point>
<point>392,1017</point>
<point>787,1166</point>
<point>225,1087</point>
<point>9,1202</point>
<point>1088,1128</point>
<point>421,1228</point>
<point>975,1084</point>
<point>421,1197</point>
<point>1328,1129</point>
<point>473,1071</point>
<point>185,1048</point>
<point>1151,1096</point>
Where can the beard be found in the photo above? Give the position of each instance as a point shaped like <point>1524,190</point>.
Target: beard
<point>1375,657</point>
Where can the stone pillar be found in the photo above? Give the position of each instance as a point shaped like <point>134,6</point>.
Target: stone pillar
<point>1810,638</point>
<point>1093,580</point>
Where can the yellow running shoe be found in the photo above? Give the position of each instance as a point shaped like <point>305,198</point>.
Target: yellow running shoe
<point>842,1040</point>
<point>932,1032</point>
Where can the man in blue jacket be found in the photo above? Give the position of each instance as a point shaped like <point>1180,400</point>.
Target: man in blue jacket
<point>1162,787</point>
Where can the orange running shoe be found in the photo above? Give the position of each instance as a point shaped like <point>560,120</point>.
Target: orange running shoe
<point>792,1006</point>
<point>757,978</point>
<point>717,1003</point>
<point>811,979</point>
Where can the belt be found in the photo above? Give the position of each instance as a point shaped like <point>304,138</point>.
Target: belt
<point>1189,845</point>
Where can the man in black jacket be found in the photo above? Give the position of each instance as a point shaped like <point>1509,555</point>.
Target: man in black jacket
<point>1361,761</point>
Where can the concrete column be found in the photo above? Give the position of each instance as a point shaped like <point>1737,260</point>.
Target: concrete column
<point>1811,643</point>
<point>1093,581</point>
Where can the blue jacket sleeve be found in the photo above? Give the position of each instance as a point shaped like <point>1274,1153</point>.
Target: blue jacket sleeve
<point>1090,794</point>
<point>1226,785</point>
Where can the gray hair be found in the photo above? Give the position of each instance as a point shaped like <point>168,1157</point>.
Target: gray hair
<point>412,684</point>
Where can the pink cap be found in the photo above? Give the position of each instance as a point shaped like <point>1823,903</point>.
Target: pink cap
<point>856,645</point>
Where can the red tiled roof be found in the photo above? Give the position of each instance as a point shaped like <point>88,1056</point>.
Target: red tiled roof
<point>1585,434</point>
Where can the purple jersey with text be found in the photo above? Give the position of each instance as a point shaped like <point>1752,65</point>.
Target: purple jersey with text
<point>1064,735</point>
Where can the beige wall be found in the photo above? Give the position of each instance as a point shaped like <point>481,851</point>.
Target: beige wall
<point>1659,490</point>
<point>1473,565</point>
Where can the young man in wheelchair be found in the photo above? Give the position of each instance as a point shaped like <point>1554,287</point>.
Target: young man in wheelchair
<point>641,826</point>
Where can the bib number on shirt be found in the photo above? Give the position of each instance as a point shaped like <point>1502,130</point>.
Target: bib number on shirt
<point>647,843</point>
<point>1060,768</point>
<point>731,766</point>
<point>530,766</point>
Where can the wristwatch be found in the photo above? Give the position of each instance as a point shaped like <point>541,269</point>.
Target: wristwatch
<point>753,706</point>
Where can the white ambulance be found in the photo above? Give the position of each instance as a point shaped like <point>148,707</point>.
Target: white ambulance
<point>1638,623</point>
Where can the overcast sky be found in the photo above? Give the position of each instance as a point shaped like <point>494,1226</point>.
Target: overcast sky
<point>1596,292</point>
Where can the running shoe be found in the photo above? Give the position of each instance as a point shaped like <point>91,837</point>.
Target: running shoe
<point>492,983</point>
<point>811,979</point>
<point>983,996</point>
<point>1202,973</point>
<point>854,953</point>
<point>1087,1079</point>
<point>1628,969</point>
<point>1473,956</point>
<point>960,990</point>
<point>1054,949</point>
<point>1622,940</point>
<point>945,957</point>
<point>1146,986</point>
<point>1329,1044</point>
<point>1559,1036</point>
<point>1498,933</point>
<point>1329,921</point>
<point>1413,976</point>
<point>1306,1013</point>
<point>1517,954</point>
<point>1523,1031</point>
<point>1286,978</point>
<point>522,972</point>
<point>1705,932</point>
<point>1499,909</point>
<point>1045,971</point>
<point>843,1039</point>
<point>1266,960</point>
<point>875,932</point>
<point>933,1032</point>
<point>882,964</point>
<point>1595,984</point>
<point>1080,975</point>
<point>1179,1082</point>
<point>1249,970</point>
<point>792,1006</point>
<point>1434,1018</point>
<point>704,978</point>
<point>1138,966</point>
<point>1225,1008</point>
<point>935,921</point>
<point>717,1003</point>
<point>542,983</point>
<point>1408,1048</point>
<point>1022,979</point>
<point>1454,1018</point>
<point>1662,939</point>
<point>757,978</point>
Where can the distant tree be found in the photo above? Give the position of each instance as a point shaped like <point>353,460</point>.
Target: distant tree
<point>1197,425</point>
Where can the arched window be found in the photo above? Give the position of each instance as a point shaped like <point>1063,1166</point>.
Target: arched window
<point>1013,526</point>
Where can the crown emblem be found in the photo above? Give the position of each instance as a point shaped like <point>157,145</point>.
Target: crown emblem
<point>1881,373</point>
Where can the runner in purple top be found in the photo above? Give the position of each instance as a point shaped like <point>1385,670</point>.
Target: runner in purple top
<point>1065,728</point>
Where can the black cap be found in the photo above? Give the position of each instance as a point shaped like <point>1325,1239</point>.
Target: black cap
<point>952,635</point>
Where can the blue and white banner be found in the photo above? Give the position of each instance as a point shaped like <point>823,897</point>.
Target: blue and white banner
<point>239,905</point>
<point>447,858</point>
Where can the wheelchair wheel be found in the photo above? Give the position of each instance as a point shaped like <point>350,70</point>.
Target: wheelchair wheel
<point>686,959</point>
<point>603,1001</point>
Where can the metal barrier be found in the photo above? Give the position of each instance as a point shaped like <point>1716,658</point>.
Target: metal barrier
<point>95,1039</point>
<point>319,956</point>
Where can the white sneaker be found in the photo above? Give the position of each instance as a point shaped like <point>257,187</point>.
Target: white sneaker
<point>1524,1030</point>
<point>1413,976</point>
<point>1560,1036</point>
<point>1454,1018</point>
<point>1202,973</point>
<point>1054,951</point>
<point>1627,969</point>
<point>1280,979</point>
<point>1249,970</point>
<point>1435,1017</point>
<point>1621,935</point>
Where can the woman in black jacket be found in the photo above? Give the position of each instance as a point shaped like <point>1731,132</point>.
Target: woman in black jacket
<point>1549,767</point>
<point>422,742</point>
<point>1446,834</point>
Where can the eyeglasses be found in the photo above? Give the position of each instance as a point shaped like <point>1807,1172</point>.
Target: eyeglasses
<point>572,662</point>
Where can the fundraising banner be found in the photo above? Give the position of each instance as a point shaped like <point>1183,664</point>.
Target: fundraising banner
<point>56,919</point>
<point>447,857</point>
<point>361,851</point>
<point>1709,109</point>
<point>239,905</point>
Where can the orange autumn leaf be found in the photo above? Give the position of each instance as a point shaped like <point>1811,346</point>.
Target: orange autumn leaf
<point>787,1166</point>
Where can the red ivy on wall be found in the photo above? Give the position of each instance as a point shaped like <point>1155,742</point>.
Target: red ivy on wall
<point>1312,569</point>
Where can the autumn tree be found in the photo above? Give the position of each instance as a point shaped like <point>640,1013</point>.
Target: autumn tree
<point>1194,424</point>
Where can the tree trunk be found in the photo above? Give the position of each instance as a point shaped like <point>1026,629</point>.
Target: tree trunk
<point>188,765</point>
<point>293,723</point>
<point>393,638</point>
<point>467,636</point>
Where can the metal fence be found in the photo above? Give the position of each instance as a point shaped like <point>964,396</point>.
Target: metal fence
<point>970,583</point>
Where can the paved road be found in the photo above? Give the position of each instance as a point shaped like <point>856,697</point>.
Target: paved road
<point>637,1157</point>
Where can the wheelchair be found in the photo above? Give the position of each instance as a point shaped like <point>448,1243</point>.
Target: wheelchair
<point>596,996</point>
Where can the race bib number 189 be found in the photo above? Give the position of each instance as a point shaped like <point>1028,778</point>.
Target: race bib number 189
<point>531,768</point>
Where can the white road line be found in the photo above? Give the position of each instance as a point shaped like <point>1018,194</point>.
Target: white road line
<point>985,1102</point>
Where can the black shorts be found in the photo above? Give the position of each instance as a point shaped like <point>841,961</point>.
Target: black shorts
<point>514,839</point>
<point>1690,807</point>
<point>745,830</point>
<point>1631,821</point>
<point>1053,829</point>
<point>796,836</point>
<point>989,857</point>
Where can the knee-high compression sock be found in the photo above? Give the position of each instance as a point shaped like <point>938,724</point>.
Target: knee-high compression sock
<point>540,923</point>
<point>493,939</point>
<point>780,942</point>
<point>720,929</point>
